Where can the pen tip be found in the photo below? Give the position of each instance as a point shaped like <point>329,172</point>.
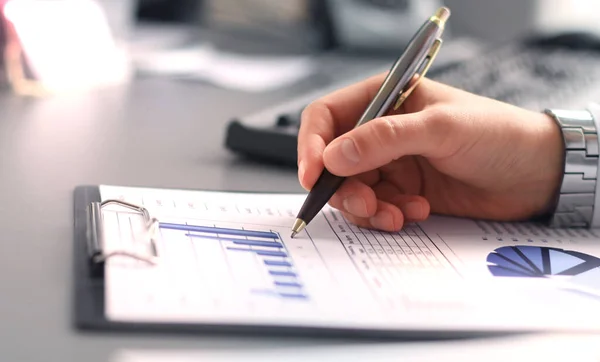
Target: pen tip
<point>299,225</point>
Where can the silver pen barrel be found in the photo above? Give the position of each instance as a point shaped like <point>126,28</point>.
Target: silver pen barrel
<point>406,66</point>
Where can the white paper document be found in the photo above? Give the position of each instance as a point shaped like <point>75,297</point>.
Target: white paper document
<point>227,258</point>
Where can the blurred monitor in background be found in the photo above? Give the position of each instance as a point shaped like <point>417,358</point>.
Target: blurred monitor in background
<point>173,11</point>
<point>372,24</point>
<point>349,24</point>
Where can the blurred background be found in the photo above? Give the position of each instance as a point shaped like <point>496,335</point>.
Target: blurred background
<point>250,45</point>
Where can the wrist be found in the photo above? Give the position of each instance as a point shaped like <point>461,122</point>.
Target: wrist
<point>553,146</point>
<point>548,163</point>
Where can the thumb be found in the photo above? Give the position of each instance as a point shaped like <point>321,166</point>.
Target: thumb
<point>383,140</point>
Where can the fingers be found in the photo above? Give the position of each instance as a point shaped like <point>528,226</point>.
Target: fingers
<point>381,207</point>
<point>356,198</point>
<point>428,92</point>
<point>414,208</point>
<point>387,218</point>
<point>427,133</point>
<point>392,217</point>
<point>356,195</point>
<point>327,118</point>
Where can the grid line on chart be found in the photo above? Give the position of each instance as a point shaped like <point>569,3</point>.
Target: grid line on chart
<point>423,244</point>
<point>408,246</point>
<point>407,249</point>
<point>377,261</point>
<point>323,261</point>
<point>379,250</point>
<point>374,251</point>
<point>362,276</point>
<point>417,251</point>
<point>224,255</point>
<point>432,255</point>
<point>438,248</point>
<point>394,250</point>
<point>398,250</point>
<point>387,270</point>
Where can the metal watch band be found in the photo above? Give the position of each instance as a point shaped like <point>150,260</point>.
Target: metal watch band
<point>575,207</point>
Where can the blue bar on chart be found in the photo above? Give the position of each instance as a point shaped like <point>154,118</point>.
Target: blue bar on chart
<point>270,244</point>
<point>288,284</point>
<point>277,263</point>
<point>280,254</point>
<point>282,294</point>
<point>271,253</point>
<point>217,230</point>
<point>282,273</point>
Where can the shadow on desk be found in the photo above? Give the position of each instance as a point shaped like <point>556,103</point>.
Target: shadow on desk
<point>548,348</point>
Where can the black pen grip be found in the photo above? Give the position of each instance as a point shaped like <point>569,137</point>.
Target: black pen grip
<point>327,184</point>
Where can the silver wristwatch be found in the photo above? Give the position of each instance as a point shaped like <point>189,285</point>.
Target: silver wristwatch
<point>575,207</point>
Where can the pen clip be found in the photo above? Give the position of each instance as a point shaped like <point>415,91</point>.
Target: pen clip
<point>433,51</point>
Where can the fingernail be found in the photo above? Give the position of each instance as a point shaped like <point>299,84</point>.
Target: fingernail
<point>412,210</point>
<point>382,220</point>
<point>349,150</point>
<point>341,154</point>
<point>356,206</point>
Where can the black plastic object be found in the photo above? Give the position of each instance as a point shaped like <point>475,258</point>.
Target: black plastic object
<point>275,144</point>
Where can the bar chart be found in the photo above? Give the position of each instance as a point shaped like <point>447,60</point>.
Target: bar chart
<point>262,263</point>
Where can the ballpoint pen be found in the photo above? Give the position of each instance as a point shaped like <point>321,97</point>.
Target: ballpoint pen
<point>403,77</point>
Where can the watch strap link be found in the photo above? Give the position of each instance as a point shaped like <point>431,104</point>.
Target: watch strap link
<point>575,207</point>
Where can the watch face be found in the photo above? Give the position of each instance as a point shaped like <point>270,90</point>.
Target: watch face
<point>389,4</point>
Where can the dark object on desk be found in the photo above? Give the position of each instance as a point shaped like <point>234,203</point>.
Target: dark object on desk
<point>561,72</point>
<point>271,135</point>
<point>272,144</point>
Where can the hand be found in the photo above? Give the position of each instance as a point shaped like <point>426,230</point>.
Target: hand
<point>446,151</point>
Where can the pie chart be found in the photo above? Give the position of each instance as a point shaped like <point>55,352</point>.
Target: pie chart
<point>540,262</point>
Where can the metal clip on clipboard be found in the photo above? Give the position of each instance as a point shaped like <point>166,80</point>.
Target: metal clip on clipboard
<point>96,238</point>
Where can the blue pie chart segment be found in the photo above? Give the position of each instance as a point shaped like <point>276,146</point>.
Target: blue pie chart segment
<point>534,255</point>
<point>561,261</point>
<point>538,261</point>
<point>506,264</point>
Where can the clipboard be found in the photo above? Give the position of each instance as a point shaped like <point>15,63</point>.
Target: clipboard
<point>88,293</point>
<point>89,261</point>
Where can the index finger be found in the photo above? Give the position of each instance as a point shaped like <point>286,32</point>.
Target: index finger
<point>327,118</point>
